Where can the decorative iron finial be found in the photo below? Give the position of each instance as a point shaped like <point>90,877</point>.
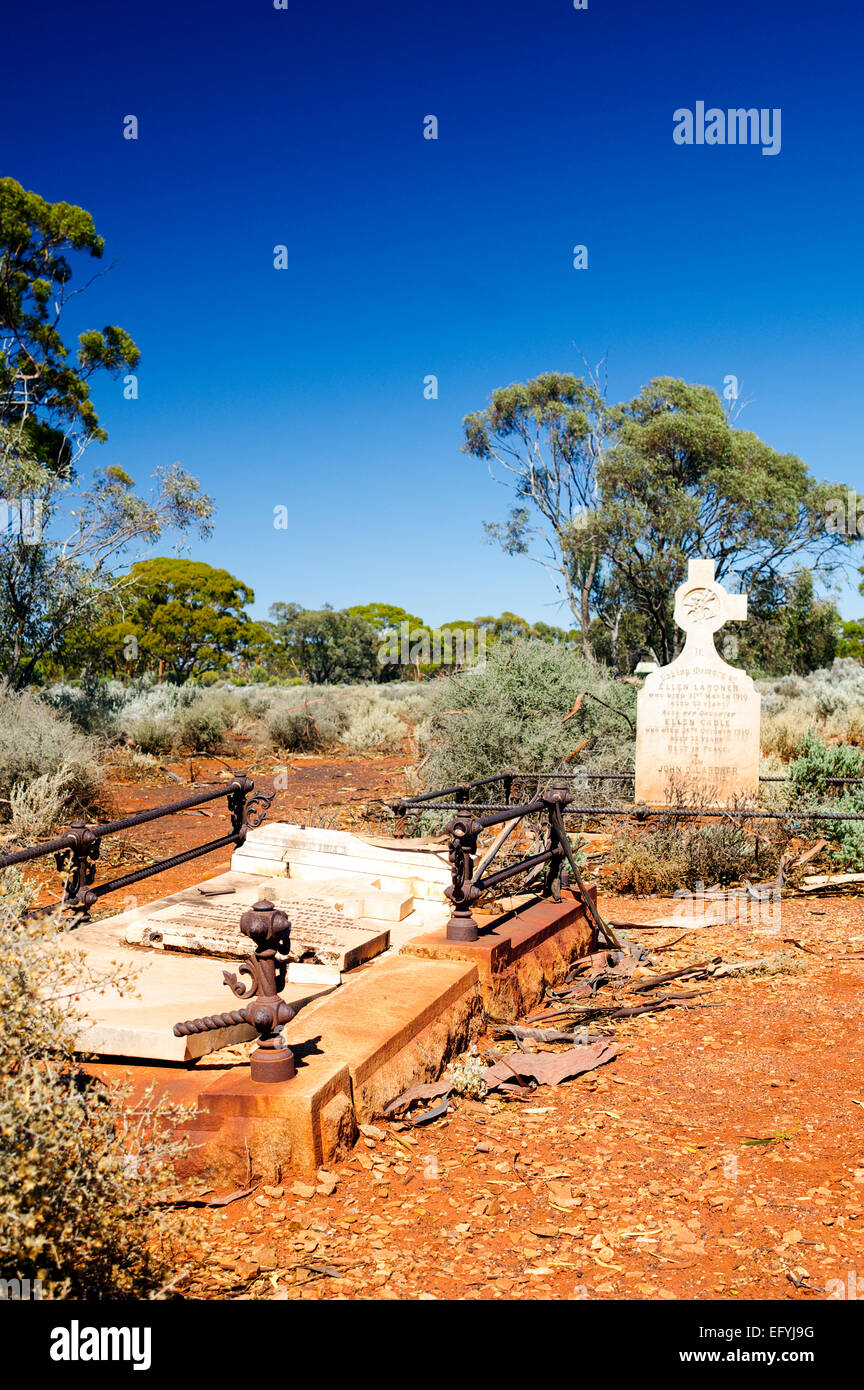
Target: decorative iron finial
<point>267,1012</point>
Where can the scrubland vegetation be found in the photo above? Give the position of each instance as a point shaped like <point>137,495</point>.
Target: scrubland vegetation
<point>81,1164</point>
<point>533,706</point>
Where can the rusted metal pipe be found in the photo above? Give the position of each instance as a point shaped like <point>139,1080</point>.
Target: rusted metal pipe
<point>77,851</point>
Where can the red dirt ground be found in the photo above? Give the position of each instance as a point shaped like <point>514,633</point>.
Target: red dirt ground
<point>636,1181</point>
<point>633,1182</point>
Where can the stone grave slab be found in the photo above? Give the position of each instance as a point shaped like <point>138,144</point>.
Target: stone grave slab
<point>308,852</point>
<point>167,989</point>
<point>320,935</point>
<point>352,898</point>
<point>697,735</point>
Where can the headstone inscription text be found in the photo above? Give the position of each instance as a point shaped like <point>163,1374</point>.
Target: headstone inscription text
<point>697,736</point>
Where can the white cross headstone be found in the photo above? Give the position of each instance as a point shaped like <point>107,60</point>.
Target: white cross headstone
<point>697,719</point>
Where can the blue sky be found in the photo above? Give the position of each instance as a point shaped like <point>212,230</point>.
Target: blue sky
<point>304,387</point>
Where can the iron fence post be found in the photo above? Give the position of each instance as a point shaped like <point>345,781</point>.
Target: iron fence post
<point>266,1011</point>
<point>463,832</point>
<point>77,863</point>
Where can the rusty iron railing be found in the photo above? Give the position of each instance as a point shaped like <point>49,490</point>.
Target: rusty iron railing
<point>76,852</point>
<point>469,880</point>
<point>459,798</point>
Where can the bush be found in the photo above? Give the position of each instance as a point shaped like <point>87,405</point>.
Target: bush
<point>784,728</point>
<point>512,713</point>
<point>157,719</point>
<point>201,727</point>
<point>640,863</point>
<point>678,855</point>
<point>37,742</point>
<point>149,719</point>
<point>815,763</point>
<point>810,772</point>
<point>829,702</point>
<point>374,728</point>
<point>151,735</point>
<point>36,809</point>
<point>92,706</point>
<point>315,725</point>
<point>79,1168</point>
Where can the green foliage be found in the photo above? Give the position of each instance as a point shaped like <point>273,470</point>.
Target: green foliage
<point>614,501</point>
<point>787,628</point>
<point>512,713</point>
<point>158,719</point>
<point>80,1165</point>
<point>92,706</point>
<point>680,481</point>
<point>809,772</point>
<point>55,585</point>
<point>384,617</point>
<point>37,742</point>
<point>851,640</point>
<point>547,437</point>
<point>187,616</point>
<point>326,645</point>
<point>41,380</point>
<point>816,762</point>
<point>202,726</point>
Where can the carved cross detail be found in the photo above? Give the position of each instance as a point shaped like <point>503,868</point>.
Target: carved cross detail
<point>702,605</point>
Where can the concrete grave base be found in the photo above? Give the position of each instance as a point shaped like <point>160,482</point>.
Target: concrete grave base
<point>392,1023</point>
<point>518,954</point>
<point>396,1023</point>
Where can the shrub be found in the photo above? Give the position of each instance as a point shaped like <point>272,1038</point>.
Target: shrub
<point>151,735</point>
<point>36,809</point>
<point>512,713</point>
<point>159,718</point>
<point>37,742</point>
<point>829,701</point>
<point>201,727</point>
<point>374,728</point>
<point>316,725</point>
<point>816,762</point>
<point>466,1074</point>
<point>79,1166</point>
<point>149,720</point>
<point>677,855</point>
<point>642,864</point>
<point>92,706</point>
<point>809,773</point>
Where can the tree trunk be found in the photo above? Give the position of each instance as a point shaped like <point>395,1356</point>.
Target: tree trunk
<point>585,611</point>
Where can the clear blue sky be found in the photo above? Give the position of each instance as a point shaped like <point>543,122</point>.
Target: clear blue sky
<point>303,126</point>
